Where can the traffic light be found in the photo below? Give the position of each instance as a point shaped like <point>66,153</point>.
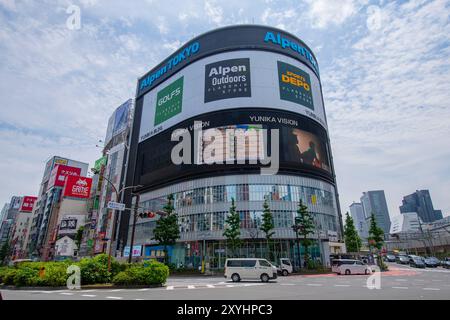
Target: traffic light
<point>147,214</point>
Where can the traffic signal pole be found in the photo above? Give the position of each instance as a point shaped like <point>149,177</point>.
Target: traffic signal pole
<point>135,213</point>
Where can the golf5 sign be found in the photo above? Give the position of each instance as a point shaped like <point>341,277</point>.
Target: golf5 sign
<point>169,101</point>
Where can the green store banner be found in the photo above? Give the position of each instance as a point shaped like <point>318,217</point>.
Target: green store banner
<point>169,101</point>
<point>99,163</point>
<point>295,85</point>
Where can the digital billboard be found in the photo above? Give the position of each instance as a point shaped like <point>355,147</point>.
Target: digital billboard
<point>239,79</point>
<point>118,121</point>
<point>27,204</point>
<point>59,174</point>
<point>303,146</point>
<point>77,187</point>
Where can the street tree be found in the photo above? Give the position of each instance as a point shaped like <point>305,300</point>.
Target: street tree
<point>267,226</point>
<point>352,240</point>
<point>376,239</point>
<point>79,237</point>
<point>233,228</point>
<point>4,253</point>
<point>167,230</point>
<point>304,223</point>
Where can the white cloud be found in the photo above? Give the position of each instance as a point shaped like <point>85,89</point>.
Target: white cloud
<point>387,101</point>
<point>323,13</point>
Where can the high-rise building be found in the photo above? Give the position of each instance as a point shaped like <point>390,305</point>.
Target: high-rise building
<point>359,219</point>
<point>55,172</point>
<point>241,86</point>
<point>406,222</point>
<point>374,202</point>
<point>420,202</point>
<point>9,218</point>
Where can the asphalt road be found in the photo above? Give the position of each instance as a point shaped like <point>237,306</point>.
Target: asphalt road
<point>401,282</point>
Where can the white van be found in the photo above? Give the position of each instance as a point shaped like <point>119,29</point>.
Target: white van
<point>285,266</point>
<point>350,266</point>
<point>249,269</point>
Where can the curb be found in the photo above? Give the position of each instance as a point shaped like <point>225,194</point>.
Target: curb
<point>87,287</point>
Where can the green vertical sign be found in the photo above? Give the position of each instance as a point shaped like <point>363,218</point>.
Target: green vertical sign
<point>169,101</point>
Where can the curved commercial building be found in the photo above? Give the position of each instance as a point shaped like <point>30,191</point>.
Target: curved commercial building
<point>255,90</point>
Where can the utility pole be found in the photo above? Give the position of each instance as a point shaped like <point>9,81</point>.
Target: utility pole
<point>136,206</point>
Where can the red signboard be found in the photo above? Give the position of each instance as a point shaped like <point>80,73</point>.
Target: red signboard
<point>77,187</point>
<point>59,174</point>
<point>27,204</point>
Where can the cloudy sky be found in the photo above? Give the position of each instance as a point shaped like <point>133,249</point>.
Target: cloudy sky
<point>385,69</point>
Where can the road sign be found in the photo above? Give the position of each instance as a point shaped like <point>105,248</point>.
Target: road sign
<point>116,206</point>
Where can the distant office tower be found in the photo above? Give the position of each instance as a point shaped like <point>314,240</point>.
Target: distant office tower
<point>9,218</point>
<point>405,222</point>
<point>375,202</point>
<point>357,213</point>
<point>420,202</point>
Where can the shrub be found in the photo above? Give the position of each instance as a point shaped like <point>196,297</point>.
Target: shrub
<point>123,278</point>
<point>148,273</point>
<point>8,276</point>
<point>95,270</point>
<point>25,277</point>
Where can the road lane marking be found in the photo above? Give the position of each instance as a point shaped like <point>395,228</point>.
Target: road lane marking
<point>169,288</point>
<point>401,280</point>
<point>116,298</point>
<point>88,295</point>
<point>116,290</point>
<point>287,284</point>
<point>66,293</point>
<point>399,287</point>
<point>314,284</point>
<point>145,289</point>
<point>432,289</point>
<point>138,299</point>
<point>230,285</point>
<point>191,287</point>
<point>342,285</point>
<point>210,286</point>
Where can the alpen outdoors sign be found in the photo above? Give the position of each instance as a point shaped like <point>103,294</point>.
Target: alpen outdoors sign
<point>227,79</point>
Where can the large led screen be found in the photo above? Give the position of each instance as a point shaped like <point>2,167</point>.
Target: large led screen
<point>302,146</point>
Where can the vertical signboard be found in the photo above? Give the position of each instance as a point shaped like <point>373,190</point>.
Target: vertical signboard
<point>169,101</point>
<point>77,187</point>
<point>27,204</point>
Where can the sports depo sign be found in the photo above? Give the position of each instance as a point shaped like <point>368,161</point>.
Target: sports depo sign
<point>77,187</point>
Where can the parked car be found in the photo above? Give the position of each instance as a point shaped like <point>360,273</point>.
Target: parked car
<point>445,263</point>
<point>238,269</point>
<point>431,262</point>
<point>417,262</point>
<point>390,258</point>
<point>402,259</point>
<point>285,266</point>
<point>350,266</point>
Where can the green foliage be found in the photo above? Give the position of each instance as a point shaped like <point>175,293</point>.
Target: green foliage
<point>233,228</point>
<point>304,225</point>
<point>267,226</point>
<point>148,273</point>
<point>95,270</point>
<point>376,234</point>
<point>7,276</point>
<point>351,237</point>
<point>4,253</point>
<point>267,221</point>
<point>167,230</point>
<point>79,237</point>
